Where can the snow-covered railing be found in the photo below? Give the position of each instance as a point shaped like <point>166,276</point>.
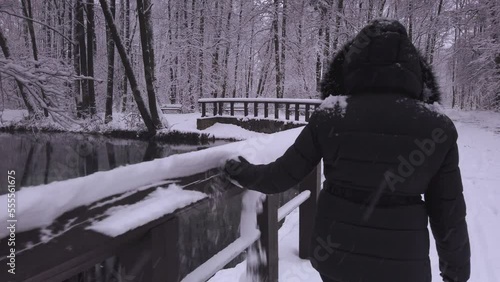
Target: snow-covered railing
<point>267,222</point>
<point>297,106</point>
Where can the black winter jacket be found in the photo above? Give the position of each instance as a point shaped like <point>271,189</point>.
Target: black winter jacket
<point>382,143</point>
<point>380,153</point>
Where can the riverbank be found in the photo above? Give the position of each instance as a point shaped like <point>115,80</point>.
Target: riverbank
<point>181,128</point>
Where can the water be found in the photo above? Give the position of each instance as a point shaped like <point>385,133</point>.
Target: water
<point>42,158</point>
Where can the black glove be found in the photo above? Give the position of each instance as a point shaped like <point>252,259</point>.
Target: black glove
<point>239,170</point>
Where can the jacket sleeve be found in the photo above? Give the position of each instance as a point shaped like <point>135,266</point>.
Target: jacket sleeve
<point>446,209</point>
<point>288,170</point>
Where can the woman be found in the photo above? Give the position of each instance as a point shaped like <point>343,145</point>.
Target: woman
<point>382,148</point>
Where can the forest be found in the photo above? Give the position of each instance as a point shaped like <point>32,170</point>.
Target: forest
<point>77,60</point>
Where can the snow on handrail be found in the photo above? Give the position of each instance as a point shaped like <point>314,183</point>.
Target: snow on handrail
<point>293,204</point>
<point>261,100</point>
<point>217,262</point>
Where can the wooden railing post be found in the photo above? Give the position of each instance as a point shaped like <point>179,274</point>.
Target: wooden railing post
<point>245,108</point>
<point>266,110</point>
<point>215,108</point>
<point>297,107</point>
<point>307,111</point>
<point>287,111</point>
<point>267,222</point>
<point>232,108</point>
<point>221,108</point>
<point>155,257</point>
<point>203,109</point>
<point>255,109</point>
<point>307,211</point>
<point>276,111</point>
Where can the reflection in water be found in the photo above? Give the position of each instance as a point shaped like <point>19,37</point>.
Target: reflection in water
<point>46,157</point>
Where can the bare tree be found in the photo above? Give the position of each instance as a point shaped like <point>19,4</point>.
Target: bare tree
<point>25,97</point>
<point>128,68</point>
<point>111,67</point>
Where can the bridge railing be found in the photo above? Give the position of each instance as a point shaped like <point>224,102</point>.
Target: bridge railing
<point>152,252</point>
<point>297,107</point>
<point>267,222</point>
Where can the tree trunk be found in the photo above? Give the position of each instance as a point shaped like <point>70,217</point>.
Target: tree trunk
<point>6,53</point>
<point>80,36</point>
<point>90,57</point>
<point>434,33</point>
<point>276,41</point>
<point>249,78</point>
<point>228,47</point>
<point>111,68</point>
<point>146,33</point>
<point>126,31</point>
<point>201,59</point>
<point>78,84</point>
<point>172,69</point>
<point>283,47</point>
<point>340,9</point>
<point>26,6</point>
<point>326,41</point>
<point>318,55</point>
<point>410,21</point>
<point>128,68</point>
<point>215,56</point>
<point>237,57</point>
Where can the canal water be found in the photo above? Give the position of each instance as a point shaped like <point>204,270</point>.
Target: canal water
<point>41,158</point>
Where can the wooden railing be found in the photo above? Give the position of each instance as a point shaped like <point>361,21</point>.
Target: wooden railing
<point>267,222</point>
<point>151,252</point>
<point>297,106</point>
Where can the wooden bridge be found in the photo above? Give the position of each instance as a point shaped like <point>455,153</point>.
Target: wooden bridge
<point>265,115</point>
<point>153,251</point>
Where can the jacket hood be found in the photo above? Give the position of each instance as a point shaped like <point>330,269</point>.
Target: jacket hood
<point>380,58</point>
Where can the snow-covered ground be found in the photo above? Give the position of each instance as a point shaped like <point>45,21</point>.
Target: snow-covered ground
<point>176,122</point>
<point>479,142</point>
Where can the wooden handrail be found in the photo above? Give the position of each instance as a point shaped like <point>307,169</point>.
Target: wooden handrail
<point>267,222</point>
<point>152,249</point>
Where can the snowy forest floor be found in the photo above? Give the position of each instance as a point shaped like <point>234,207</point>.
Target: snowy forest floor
<point>479,143</point>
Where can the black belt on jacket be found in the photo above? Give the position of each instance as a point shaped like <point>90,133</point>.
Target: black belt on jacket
<point>365,197</point>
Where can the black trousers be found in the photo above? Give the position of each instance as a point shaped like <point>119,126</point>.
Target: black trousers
<point>326,279</point>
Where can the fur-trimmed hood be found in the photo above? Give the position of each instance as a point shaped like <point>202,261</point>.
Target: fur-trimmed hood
<point>380,58</point>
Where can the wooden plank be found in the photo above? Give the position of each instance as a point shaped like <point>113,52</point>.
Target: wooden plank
<point>165,260</point>
<point>307,211</point>
<point>221,108</point>
<point>267,222</point>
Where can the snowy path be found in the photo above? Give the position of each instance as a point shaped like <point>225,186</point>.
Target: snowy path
<point>479,142</point>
